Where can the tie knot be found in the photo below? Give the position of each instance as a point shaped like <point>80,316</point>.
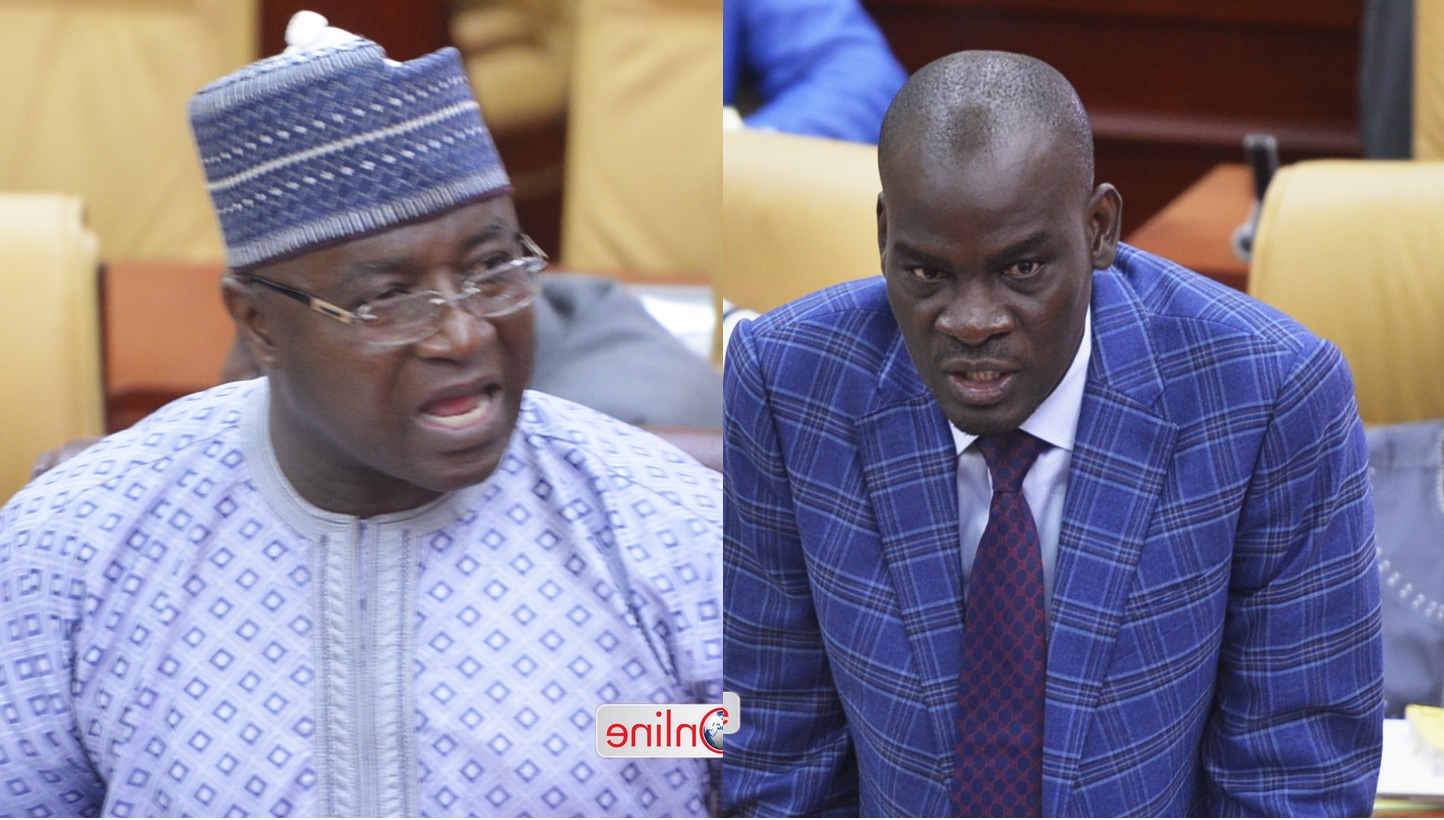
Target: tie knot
<point>1010,456</point>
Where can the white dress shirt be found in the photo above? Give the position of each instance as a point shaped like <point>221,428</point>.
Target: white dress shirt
<point>1055,421</point>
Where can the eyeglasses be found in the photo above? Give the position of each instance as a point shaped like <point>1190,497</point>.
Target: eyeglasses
<point>412,317</point>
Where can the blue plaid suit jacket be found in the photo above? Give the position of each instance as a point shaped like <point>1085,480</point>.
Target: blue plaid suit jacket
<point>1214,645</point>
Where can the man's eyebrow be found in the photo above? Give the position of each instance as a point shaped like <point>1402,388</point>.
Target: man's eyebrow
<point>916,256</point>
<point>374,267</point>
<point>384,266</point>
<point>490,233</point>
<point>1024,247</point>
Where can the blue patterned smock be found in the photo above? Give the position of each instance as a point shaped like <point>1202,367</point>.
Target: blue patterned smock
<point>180,633</point>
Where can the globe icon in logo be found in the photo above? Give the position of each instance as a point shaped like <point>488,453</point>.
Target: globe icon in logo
<point>712,724</point>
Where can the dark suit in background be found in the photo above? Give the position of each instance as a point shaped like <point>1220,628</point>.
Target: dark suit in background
<point>597,345</point>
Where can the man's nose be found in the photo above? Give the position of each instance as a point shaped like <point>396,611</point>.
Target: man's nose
<point>458,332</point>
<point>975,314</point>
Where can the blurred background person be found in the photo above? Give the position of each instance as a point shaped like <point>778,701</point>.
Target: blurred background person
<point>1386,79</point>
<point>816,67</point>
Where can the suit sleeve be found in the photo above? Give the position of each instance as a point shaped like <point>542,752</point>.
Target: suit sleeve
<point>1297,723</point>
<point>793,754</point>
<point>44,769</point>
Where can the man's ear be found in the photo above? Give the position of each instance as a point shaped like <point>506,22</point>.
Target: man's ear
<point>252,328</point>
<point>1105,221</point>
<point>881,228</point>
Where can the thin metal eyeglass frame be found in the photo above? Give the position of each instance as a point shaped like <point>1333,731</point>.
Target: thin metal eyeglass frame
<point>534,263</point>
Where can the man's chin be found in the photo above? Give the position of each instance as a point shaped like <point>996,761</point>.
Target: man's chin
<point>990,421</point>
<point>451,470</point>
<point>460,472</point>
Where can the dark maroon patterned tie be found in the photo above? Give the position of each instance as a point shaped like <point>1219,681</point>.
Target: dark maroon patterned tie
<point>1000,733</point>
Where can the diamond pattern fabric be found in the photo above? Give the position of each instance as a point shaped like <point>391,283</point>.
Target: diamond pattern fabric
<point>1000,731</point>
<point>181,634</point>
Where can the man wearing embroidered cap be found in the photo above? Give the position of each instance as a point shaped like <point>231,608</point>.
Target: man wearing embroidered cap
<point>385,579</point>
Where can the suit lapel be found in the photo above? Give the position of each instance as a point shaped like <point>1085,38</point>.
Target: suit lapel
<point>1120,459</point>
<point>1121,454</point>
<point>910,473</point>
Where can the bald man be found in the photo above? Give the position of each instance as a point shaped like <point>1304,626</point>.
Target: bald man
<point>1036,522</point>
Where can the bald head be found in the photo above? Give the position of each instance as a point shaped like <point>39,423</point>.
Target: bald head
<point>989,229</point>
<point>973,103</point>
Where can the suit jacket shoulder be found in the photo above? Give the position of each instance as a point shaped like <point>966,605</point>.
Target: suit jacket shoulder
<point>1215,592</point>
<point>851,320</point>
<point>1159,325</point>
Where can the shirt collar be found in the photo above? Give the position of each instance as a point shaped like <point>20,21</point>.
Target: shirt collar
<point>1056,419</point>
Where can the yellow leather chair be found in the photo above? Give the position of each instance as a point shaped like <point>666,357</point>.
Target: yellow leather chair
<point>95,105</point>
<point>1351,249</point>
<point>49,331</point>
<point>518,55</point>
<point>1428,113</point>
<point>643,179</point>
<point>798,214</point>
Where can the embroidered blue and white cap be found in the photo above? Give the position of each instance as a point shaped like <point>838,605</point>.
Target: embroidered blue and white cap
<point>330,141</point>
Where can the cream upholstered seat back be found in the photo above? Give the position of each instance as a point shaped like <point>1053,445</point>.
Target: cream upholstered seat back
<point>1352,249</point>
<point>798,213</point>
<point>49,331</point>
<point>643,145</point>
<point>1428,107</point>
<point>95,105</point>
<point>518,55</point>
